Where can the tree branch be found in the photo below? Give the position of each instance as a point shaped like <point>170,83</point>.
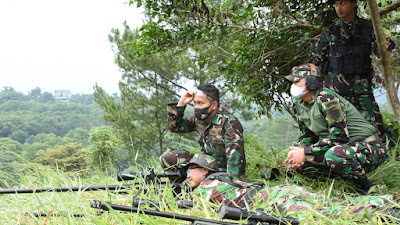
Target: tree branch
<point>390,8</point>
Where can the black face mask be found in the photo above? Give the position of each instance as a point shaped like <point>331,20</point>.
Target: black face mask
<point>202,114</point>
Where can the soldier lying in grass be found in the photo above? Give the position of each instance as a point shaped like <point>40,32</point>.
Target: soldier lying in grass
<point>293,201</point>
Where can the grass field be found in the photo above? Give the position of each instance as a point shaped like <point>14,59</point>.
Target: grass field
<point>16,207</point>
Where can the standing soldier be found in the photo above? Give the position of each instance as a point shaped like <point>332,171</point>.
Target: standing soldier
<point>294,201</point>
<point>335,137</point>
<point>343,53</point>
<point>218,132</point>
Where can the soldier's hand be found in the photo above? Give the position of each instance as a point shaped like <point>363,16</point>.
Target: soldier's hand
<point>295,158</point>
<point>390,45</point>
<point>186,98</point>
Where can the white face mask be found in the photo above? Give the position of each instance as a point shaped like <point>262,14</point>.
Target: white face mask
<point>297,92</point>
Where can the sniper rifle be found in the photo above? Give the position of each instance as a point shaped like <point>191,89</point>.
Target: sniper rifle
<point>149,178</point>
<point>225,212</point>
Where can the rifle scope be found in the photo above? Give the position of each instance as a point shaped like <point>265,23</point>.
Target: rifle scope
<point>148,176</point>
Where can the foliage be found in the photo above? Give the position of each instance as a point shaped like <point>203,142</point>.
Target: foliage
<point>390,166</point>
<point>103,148</point>
<point>148,84</point>
<point>68,158</point>
<point>259,157</point>
<point>22,117</point>
<point>14,207</point>
<point>12,166</point>
<point>278,132</point>
<point>252,43</point>
<point>392,128</point>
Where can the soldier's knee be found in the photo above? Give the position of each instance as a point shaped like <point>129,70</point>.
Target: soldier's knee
<point>336,157</point>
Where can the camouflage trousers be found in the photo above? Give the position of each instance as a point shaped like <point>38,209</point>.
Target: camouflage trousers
<point>295,201</point>
<point>358,92</point>
<point>175,159</point>
<point>351,160</point>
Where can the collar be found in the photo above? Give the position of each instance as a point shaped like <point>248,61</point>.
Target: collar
<point>216,119</point>
<point>313,99</point>
<point>340,22</point>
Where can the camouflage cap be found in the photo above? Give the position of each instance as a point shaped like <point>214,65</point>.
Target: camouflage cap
<point>302,71</point>
<point>205,161</point>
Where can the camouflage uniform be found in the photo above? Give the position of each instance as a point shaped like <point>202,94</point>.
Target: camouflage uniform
<point>343,53</point>
<point>290,201</point>
<point>222,139</point>
<point>337,137</point>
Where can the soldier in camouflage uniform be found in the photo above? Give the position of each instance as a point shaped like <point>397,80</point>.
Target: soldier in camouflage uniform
<point>293,201</point>
<point>335,137</point>
<point>218,132</point>
<point>343,53</point>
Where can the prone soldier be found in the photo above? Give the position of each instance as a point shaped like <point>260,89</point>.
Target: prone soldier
<point>293,201</point>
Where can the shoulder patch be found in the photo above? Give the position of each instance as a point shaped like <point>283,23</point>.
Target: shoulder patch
<point>333,111</point>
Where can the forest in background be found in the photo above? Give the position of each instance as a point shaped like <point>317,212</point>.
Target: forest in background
<point>73,137</point>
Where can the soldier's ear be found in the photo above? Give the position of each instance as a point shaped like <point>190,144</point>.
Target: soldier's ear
<point>205,170</point>
<point>215,105</point>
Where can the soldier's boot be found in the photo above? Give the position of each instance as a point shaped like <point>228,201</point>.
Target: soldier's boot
<point>363,186</point>
<point>271,173</point>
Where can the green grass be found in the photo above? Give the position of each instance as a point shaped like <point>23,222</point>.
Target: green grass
<point>13,208</point>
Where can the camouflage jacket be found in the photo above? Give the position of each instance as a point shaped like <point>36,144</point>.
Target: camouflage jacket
<point>291,200</point>
<point>222,138</point>
<point>346,35</point>
<point>329,120</point>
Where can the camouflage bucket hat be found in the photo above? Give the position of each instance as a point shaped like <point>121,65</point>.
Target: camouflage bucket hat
<point>302,71</point>
<point>205,161</point>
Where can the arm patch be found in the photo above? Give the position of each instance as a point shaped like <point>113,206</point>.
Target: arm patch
<point>334,112</point>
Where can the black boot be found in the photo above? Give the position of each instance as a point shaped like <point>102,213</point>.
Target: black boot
<point>363,186</point>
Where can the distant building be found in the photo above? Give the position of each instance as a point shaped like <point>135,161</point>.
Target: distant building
<point>62,95</point>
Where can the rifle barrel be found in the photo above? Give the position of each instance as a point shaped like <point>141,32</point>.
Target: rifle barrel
<point>141,202</point>
<point>66,189</point>
<point>105,206</point>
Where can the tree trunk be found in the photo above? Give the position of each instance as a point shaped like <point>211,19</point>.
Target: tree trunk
<point>386,58</point>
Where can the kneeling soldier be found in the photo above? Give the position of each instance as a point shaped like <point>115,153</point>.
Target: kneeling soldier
<point>335,137</point>
<point>219,133</point>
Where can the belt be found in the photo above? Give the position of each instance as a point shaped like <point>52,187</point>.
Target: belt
<point>371,138</point>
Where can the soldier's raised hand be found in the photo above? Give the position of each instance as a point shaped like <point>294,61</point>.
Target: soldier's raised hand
<point>186,98</point>
<point>390,45</point>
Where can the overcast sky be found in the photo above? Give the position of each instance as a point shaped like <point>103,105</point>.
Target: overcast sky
<point>61,45</point>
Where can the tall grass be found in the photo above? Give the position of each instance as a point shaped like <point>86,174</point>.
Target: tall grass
<point>14,208</point>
